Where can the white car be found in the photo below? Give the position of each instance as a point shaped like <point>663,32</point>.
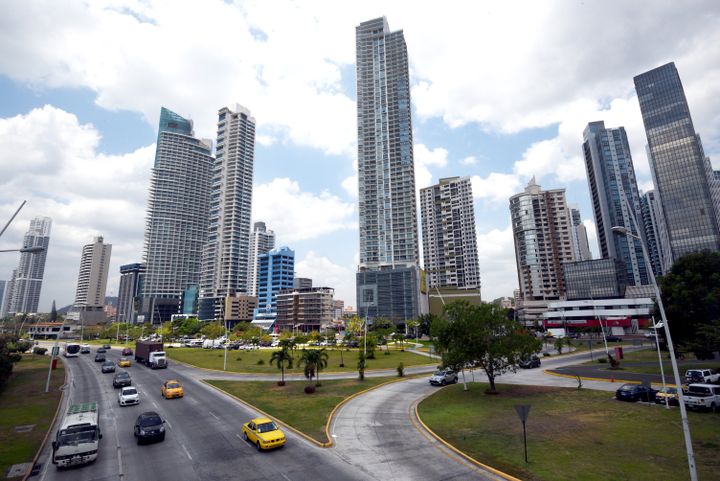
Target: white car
<point>128,396</point>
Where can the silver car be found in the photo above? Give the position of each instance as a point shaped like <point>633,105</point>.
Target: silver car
<point>443,377</point>
<point>128,396</point>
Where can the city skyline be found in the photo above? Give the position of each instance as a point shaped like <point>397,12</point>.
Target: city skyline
<point>95,102</point>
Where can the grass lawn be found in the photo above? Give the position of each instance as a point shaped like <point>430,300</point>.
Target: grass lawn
<point>247,361</point>
<point>23,401</point>
<point>572,434</point>
<point>308,413</point>
<point>650,356</point>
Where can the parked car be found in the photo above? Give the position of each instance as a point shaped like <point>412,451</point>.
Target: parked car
<point>702,397</point>
<point>529,363</point>
<point>122,379</point>
<point>263,433</point>
<point>443,377</point>
<point>669,393</point>
<point>127,351</point>
<point>106,346</point>
<point>172,389</point>
<point>124,362</point>
<point>635,392</point>
<point>612,339</point>
<point>149,426</point>
<point>85,349</point>
<point>100,357</point>
<point>128,396</point>
<point>107,367</point>
<point>701,376</point>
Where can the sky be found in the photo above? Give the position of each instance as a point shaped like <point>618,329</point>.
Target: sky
<point>501,92</point>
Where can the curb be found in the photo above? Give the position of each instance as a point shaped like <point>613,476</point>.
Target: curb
<point>624,381</point>
<point>47,434</point>
<point>457,451</point>
<point>330,442</point>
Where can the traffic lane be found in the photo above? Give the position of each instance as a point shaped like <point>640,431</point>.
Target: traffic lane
<point>207,426</point>
<point>379,431</point>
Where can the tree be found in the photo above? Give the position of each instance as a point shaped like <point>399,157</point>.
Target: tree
<point>361,365</point>
<point>411,327</point>
<point>354,325</point>
<point>283,358</point>
<point>691,296</point>
<point>165,330</point>
<point>400,337</point>
<point>9,355</point>
<point>314,361</point>
<point>706,341</point>
<point>382,328</point>
<point>53,312</point>
<point>482,335</point>
<point>424,323</point>
<point>213,330</point>
<point>188,327</point>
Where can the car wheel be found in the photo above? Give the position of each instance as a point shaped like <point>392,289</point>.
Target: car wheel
<point>455,380</point>
<point>139,441</point>
<point>245,436</point>
<point>442,383</point>
<point>713,408</point>
<point>257,446</point>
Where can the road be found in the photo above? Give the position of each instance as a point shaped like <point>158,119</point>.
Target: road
<point>203,438</point>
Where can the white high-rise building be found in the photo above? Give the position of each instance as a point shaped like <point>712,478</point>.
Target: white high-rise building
<point>93,276</point>
<point>262,241</point>
<point>450,251</point>
<point>24,291</point>
<point>177,218</point>
<point>388,279</point>
<point>227,251</point>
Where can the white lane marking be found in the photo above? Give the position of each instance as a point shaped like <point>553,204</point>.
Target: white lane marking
<point>214,415</point>
<point>186,451</point>
<point>168,424</point>
<point>284,476</point>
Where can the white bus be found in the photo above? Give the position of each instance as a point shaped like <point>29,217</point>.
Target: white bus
<point>78,437</point>
<point>72,349</point>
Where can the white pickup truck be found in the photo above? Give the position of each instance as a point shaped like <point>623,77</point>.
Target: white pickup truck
<point>702,376</point>
<point>703,396</point>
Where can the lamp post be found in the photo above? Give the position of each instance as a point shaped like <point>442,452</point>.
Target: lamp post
<point>671,348</point>
<point>26,250</point>
<point>662,370</point>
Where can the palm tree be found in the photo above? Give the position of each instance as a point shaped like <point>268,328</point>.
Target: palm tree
<point>283,358</point>
<point>314,361</point>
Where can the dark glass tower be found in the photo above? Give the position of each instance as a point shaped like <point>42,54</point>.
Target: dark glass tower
<point>678,163</point>
<point>615,198</point>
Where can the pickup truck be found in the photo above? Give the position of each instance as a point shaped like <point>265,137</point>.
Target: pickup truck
<point>701,376</point>
<point>703,396</point>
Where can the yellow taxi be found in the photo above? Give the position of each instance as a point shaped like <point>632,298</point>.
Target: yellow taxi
<point>124,362</point>
<point>669,393</point>
<point>263,433</point>
<point>171,389</point>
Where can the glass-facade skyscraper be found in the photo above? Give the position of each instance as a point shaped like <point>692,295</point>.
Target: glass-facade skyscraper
<point>386,172</point>
<point>615,198</point>
<point>177,218</point>
<point>678,164</point>
<point>24,288</point>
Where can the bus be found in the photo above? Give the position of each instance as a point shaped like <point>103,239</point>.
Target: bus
<point>78,438</point>
<point>72,349</point>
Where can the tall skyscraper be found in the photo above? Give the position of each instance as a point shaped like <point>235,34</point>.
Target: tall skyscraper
<point>678,163</point>
<point>177,218</point>
<point>92,279</point>
<point>5,305</point>
<point>2,297</point>
<point>386,175</point>
<point>655,234</point>
<point>580,238</point>
<point>262,241</point>
<point>542,232</point>
<point>450,249</point>
<point>615,198</point>
<point>226,253</point>
<point>132,278</point>
<point>28,277</point>
<point>276,272</point>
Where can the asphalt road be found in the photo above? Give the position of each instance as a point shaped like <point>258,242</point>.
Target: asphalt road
<point>203,438</point>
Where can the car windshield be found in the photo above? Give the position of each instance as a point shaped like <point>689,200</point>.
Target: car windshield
<point>628,387</point>
<point>123,359</point>
<point>150,421</point>
<point>173,385</point>
<point>122,375</point>
<point>439,373</point>
<point>108,364</point>
<point>266,427</point>
<point>669,390</point>
<point>129,391</point>
<point>72,436</point>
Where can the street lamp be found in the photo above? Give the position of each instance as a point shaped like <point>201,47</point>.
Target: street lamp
<point>26,250</point>
<point>671,348</point>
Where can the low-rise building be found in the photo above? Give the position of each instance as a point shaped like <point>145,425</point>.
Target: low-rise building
<point>613,315</point>
<point>304,309</point>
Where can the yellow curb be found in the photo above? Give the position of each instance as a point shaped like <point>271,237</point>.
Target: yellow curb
<point>47,434</point>
<point>457,451</point>
<point>624,381</point>
<point>296,431</point>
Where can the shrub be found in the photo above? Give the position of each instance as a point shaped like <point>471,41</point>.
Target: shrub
<point>261,362</point>
<point>309,389</point>
<point>281,383</point>
<point>238,358</point>
<point>602,360</point>
<point>40,351</point>
<point>387,353</point>
<point>401,370</point>
<point>546,354</point>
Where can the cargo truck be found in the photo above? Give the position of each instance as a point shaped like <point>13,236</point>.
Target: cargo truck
<point>78,438</point>
<point>151,354</point>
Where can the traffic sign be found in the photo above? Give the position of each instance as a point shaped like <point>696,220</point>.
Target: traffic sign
<point>55,350</point>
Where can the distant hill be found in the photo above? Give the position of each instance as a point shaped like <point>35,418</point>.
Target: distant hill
<point>112,301</point>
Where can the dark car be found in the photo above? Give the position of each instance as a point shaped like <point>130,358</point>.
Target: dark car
<point>106,346</point>
<point>529,363</point>
<point>635,392</point>
<point>149,426</point>
<point>612,339</point>
<point>122,379</point>
<point>101,350</point>
<point>100,357</point>
<point>127,352</point>
<point>108,366</point>
<point>85,350</point>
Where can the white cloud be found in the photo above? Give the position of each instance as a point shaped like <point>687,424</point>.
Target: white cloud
<point>350,184</point>
<point>424,159</point>
<point>496,187</point>
<point>266,140</point>
<point>297,215</point>
<point>592,237</point>
<point>496,253</point>
<point>325,273</point>
<point>469,160</point>
<point>86,193</point>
